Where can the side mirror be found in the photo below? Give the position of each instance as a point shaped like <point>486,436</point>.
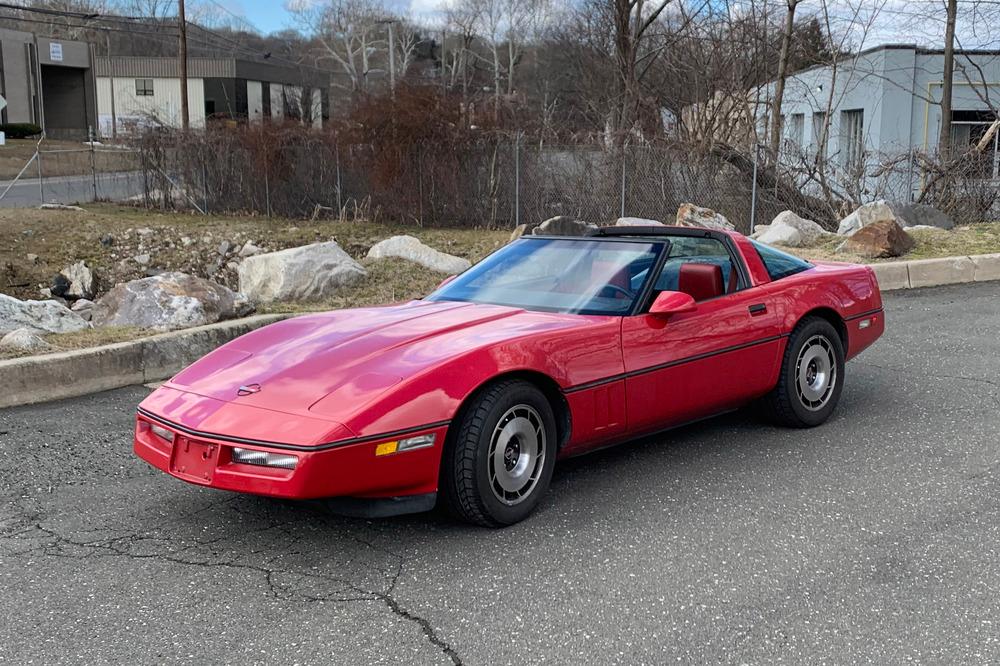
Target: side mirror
<point>445,281</point>
<point>671,303</point>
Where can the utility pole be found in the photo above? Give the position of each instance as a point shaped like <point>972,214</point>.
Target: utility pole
<point>185,117</point>
<point>114,118</point>
<point>779,84</point>
<point>944,139</point>
<point>392,58</point>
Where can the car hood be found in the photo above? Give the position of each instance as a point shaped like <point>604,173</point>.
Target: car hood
<point>332,364</point>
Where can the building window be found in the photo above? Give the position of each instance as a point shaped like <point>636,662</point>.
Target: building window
<point>144,87</point>
<point>852,138</point>
<point>968,128</point>
<point>819,139</point>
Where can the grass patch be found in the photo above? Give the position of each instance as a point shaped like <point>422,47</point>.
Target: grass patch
<point>930,244</point>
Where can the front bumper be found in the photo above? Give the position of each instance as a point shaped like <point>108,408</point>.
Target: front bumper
<point>348,470</point>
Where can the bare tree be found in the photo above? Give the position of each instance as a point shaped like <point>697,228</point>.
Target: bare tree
<point>779,83</point>
<point>348,34</point>
<point>944,140</point>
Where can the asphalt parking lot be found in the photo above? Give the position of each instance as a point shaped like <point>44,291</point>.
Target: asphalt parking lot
<point>875,538</point>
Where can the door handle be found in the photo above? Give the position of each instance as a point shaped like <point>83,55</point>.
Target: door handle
<point>758,309</point>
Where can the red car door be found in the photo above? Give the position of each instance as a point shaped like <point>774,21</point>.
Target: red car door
<point>696,364</point>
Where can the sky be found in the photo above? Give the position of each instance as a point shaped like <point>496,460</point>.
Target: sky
<point>266,15</point>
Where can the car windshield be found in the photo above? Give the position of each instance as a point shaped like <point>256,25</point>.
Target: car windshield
<point>559,275</point>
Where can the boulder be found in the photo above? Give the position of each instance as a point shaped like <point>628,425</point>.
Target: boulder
<point>23,339</point>
<point>306,273</point>
<point>563,225</point>
<point>920,215</point>
<point>689,215</point>
<point>880,239</point>
<point>249,249</point>
<point>168,301</point>
<point>637,222</point>
<point>523,230</point>
<point>789,229</point>
<point>80,279</point>
<point>411,249</point>
<point>870,213</point>
<point>47,316</point>
<point>83,307</point>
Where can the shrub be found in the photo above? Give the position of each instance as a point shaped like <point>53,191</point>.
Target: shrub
<point>20,130</point>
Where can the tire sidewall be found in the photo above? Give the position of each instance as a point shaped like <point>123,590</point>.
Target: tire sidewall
<point>497,510</point>
<point>802,334</point>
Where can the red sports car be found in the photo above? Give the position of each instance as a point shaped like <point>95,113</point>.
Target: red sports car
<point>548,348</point>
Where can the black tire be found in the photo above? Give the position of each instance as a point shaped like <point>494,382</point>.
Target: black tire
<point>789,403</point>
<point>468,485</point>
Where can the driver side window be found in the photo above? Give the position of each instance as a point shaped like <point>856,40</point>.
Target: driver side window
<point>700,267</point>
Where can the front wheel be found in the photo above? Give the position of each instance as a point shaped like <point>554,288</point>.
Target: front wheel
<point>812,376</point>
<point>498,462</point>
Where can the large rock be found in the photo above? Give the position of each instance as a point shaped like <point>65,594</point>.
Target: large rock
<point>169,301</point>
<point>523,230</point>
<point>637,222</point>
<point>880,239</point>
<point>920,215</point>
<point>689,215</point>
<point>870,213</point>
<point>23,339</point>
<point>789,229</point>
<point>563,225</point>
<point>47,316</point>
<point>411,249</point>
<point>75,281</point>
<point>306,273</point>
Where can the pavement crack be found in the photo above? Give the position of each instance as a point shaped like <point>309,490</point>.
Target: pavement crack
<point>393,604</point>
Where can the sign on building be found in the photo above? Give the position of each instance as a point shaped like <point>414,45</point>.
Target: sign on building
<point>55,52</point>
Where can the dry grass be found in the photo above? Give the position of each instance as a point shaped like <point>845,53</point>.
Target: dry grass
<point>60,238</point>
<point>930,244</point>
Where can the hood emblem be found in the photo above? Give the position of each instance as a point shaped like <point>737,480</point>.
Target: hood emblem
<point>248,389</point>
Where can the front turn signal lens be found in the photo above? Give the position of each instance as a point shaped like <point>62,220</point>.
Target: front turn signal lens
<point>161,432</point>
<point>408,444</point>
<point>263,458</point>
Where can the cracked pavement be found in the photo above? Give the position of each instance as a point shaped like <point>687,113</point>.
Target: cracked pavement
<point>874,538</point>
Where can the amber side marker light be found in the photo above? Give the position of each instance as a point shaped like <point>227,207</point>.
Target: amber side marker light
<point>408,444</point>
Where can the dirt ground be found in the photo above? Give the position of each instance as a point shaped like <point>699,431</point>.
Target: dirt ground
<point>110,238</point>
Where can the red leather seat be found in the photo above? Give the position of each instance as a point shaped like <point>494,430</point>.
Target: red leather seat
<point>701,281</point>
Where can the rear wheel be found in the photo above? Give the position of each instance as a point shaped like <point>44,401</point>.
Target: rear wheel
<point>498,462</point>
<point>812,376</point>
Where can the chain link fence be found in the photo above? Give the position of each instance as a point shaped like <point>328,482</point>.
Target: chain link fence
<point>497,181</point>
<point>75,175</point>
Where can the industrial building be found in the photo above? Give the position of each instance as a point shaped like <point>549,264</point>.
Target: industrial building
<point>48,82</point>
<point>135,92</point>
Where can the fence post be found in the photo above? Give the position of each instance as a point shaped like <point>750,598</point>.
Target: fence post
<point>38,163</point>
<point>340,201</point>
<point>93,158</point>
<point>753,190</point>
<point>909,177</point>
<point>517,179</point>
<point>624,149</point>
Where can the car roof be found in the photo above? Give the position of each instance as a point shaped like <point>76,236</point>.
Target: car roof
<point>659,233</point>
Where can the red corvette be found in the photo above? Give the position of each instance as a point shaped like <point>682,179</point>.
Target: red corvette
<point>548,348</point>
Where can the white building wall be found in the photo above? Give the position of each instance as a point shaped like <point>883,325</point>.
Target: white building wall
<point>317,108</point>
<point>162,108</point>
<point>255,101</point>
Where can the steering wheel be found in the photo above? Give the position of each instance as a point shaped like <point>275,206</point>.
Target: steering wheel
<point>619,290</point>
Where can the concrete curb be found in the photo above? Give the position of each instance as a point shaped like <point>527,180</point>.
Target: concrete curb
<point>72,373</point>
<point>935,272</point>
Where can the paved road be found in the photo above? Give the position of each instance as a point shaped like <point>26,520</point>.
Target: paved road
<point>875,538</point>
<point>114,186</point>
